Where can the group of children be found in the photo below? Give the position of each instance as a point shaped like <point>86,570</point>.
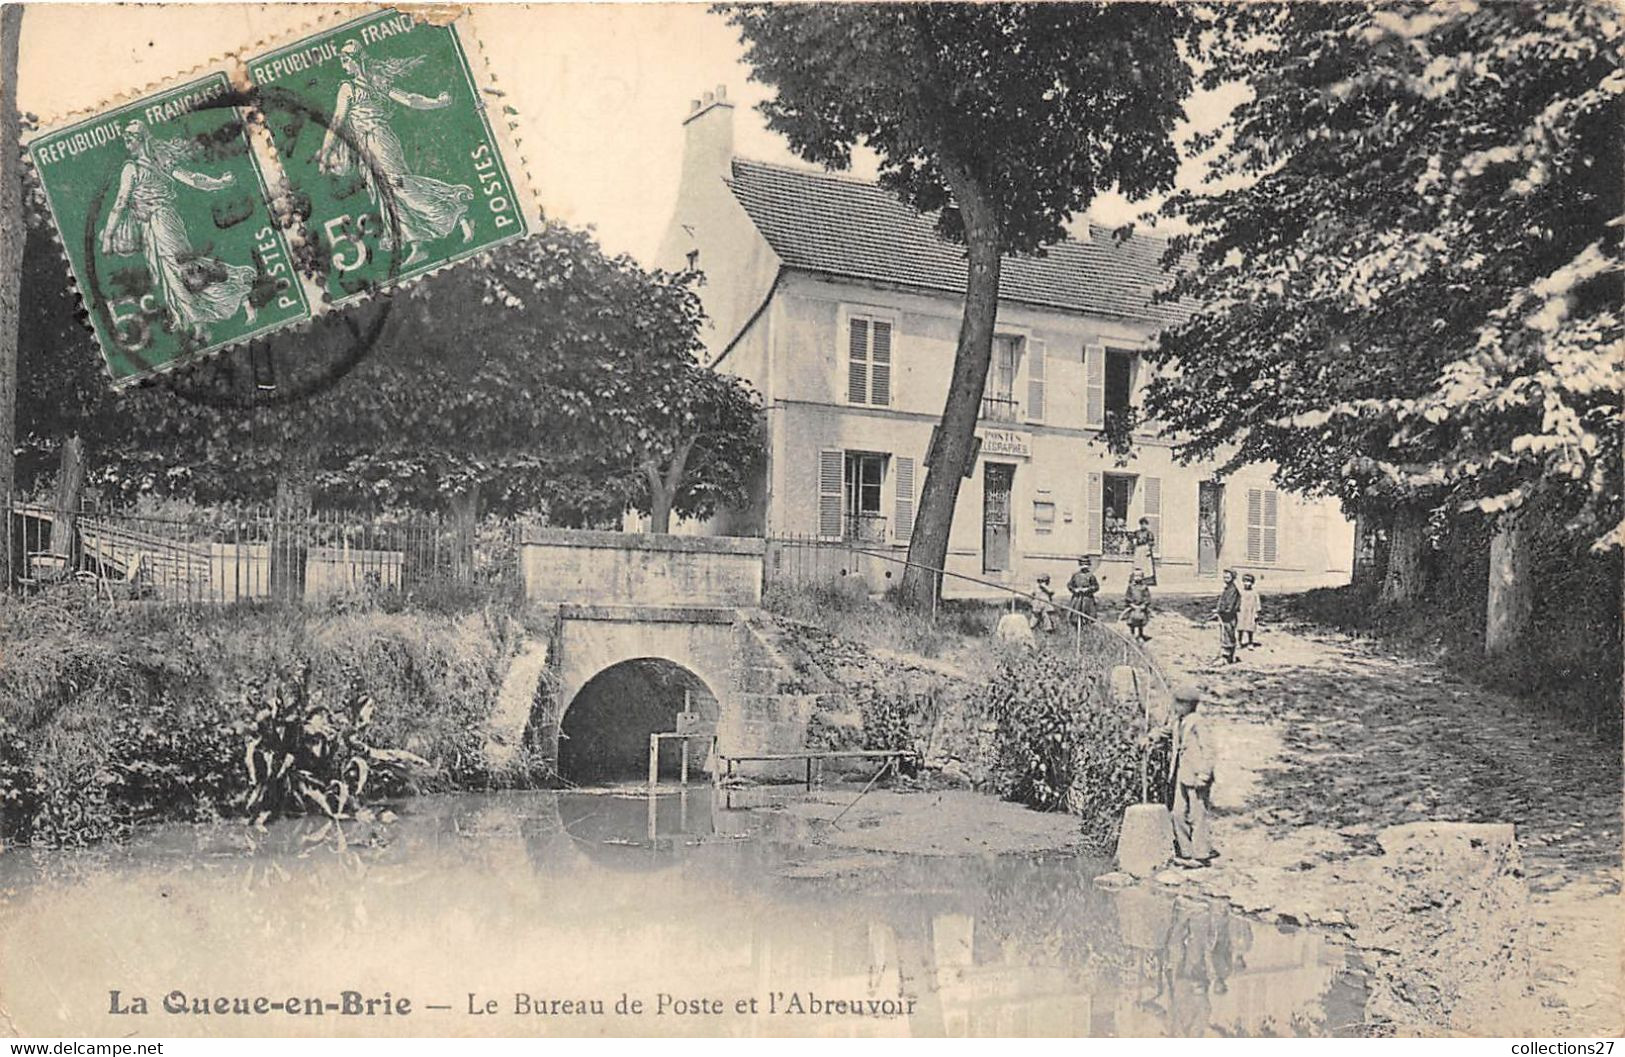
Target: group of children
<point>1237,611</point>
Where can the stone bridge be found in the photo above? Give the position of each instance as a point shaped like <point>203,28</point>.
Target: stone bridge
<point>643,626</point>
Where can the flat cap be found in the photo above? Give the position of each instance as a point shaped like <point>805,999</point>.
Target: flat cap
<point>1187,690</point>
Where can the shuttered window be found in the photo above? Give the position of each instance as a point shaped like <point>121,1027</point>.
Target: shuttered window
<point>831,468</point>
<point>1272,509</point>
<point>1092,514</point>
<point>1094,386</point>
<point>1035,381</point>
<point>903,526</point>
<point>1263,525</point>
<point>1151,490</point>
<point>869,361</point>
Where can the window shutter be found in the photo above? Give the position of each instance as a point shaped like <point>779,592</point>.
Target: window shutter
<point>1271,522</point>
<point>857,364</point>
<point>1153,507</point>
<point>1094,387</point>
<point>1255,524</point>
<point>1092,514</point>
<point>903,526</point>
<point>831,470</point>
<point>1035,381</point>
<point>880,363</point>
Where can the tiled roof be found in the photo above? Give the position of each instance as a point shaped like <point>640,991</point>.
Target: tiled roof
<point>846,227</point>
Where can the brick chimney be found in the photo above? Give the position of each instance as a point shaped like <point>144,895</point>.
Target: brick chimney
<point>708,145</point>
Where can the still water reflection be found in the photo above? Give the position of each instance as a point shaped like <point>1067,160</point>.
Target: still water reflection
<point>612,897</point>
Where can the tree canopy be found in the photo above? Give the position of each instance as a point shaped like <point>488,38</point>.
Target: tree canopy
<point>1407,271</point>
<point>1002,120</point>
<point>544,375</point>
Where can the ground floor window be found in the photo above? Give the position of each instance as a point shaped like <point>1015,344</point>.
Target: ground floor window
<point>861,494</point>
<point>1116,496</point>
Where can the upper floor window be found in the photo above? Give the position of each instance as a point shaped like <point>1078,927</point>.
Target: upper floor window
<point>1108,385</point>
<point>1119,381</point>
<point>999,396</point>
<point>868,360</point>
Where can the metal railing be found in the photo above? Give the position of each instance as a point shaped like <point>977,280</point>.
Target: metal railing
<point>864,528</point>
<point>1000,409</point>
<point>223,555</point>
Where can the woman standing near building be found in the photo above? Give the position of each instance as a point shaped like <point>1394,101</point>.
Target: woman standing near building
<point>1145,552</point>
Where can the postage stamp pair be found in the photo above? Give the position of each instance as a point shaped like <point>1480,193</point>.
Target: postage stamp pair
<point>301,179</point>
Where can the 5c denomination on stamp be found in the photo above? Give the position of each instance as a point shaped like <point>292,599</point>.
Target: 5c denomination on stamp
<point>405,166</point>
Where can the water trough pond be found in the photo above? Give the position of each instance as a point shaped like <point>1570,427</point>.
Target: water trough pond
<point>557,910</point>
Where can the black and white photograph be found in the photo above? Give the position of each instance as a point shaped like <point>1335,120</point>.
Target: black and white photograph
<point>812,520</point>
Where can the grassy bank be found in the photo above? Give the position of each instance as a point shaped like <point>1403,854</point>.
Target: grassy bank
<point>1038,726</point>
<point>108,720</point>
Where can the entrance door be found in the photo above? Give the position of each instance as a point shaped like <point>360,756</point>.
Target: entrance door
<point>996,480</point>
<point>1210,503</point>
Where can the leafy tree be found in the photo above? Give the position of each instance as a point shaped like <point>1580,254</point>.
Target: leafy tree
<point>542,375</point>
<point>1407,270</point>
<point>1003,120</point>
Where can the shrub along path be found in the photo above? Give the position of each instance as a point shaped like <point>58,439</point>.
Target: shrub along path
<point>1325,740</point>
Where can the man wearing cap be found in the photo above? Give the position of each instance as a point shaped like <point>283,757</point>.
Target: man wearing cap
<point>1191,768</point>
<point>1084,585</point>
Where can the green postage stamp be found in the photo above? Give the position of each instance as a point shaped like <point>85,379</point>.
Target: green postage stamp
<point>218,210</point>
<point>163,211</point>
<point>382,133</point>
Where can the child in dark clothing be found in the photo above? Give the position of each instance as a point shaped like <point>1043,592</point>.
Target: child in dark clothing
<point>1228,612</point>
<point>1137,606</point>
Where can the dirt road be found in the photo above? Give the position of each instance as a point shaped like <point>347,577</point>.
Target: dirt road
<point>1326,740</point>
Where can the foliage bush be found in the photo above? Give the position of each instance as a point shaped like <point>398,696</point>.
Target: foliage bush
<point>107,722</point>
<point>1062,743</point>
<point>304,754</point>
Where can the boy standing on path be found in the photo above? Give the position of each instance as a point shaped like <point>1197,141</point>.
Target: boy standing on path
<point>1229,610</point>
<point>1084,585</point>
<point>1192,769</point>
<point>1247,622</point>
<point>1137,606</point>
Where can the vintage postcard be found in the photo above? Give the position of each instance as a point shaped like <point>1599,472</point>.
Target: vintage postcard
<point>811,520</point>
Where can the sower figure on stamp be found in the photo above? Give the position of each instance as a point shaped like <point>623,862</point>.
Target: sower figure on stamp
<point>424,208</point>
<point>1192,769</point>
<point>1228,611</point>
<point>196,290</point>
<point>1084,586</point>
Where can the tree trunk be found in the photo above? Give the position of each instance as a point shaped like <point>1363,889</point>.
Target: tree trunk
<point>465,517</point>
<point>1511,602</point>
<point>13,229</point>
<point>290,527</point>
<point>70,492</point>
<point>1403,582</point>
<point>947,464</point>
<point>1368,548</point>
<point>663,486</point>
